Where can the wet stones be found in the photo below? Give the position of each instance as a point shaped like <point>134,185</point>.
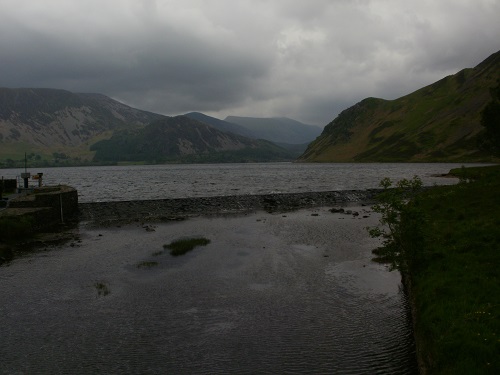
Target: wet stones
<point>340,210</point>
<point>111,213</point>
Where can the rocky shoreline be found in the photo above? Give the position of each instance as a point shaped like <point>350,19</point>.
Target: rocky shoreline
<point>111,213</point>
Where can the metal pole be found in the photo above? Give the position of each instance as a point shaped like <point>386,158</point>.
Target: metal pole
<point>60,201</point>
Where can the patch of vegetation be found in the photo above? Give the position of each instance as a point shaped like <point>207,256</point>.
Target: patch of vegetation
<point>373,134</point>
<point>454,282</point>
<point>181,247</point>
<point>147,264</point>
<point>401,242</point>
<point>394,148</point>
<point>102,289</point>
<point>15,228</point>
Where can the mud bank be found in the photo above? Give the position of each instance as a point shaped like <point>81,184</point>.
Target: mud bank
<point>110,213</point>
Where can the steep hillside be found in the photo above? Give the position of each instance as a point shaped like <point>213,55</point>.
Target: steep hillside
<point>183,139</point>
<point>221,124</point>
<point>440,122</point>
<point>46,120</point>
<point>278,129</point>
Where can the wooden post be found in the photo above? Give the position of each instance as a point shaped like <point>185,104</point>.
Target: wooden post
<point>60,201</point>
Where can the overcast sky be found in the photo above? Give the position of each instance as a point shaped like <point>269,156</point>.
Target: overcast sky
<point>306,60</point>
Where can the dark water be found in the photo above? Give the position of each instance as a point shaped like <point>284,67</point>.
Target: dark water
<point>271,294</point>
<point>117,183</point>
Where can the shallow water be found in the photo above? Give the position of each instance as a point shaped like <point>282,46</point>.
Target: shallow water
<point>122,183</point>
<point>272,293</point>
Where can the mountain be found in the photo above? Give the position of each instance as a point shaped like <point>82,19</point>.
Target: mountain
<point>186,140</point>
<point>440,122</point>
<point>221,124</point>
<point>278,129</point>
<point>294,149</point>
<point>48,120</point>
<point>60,127</point>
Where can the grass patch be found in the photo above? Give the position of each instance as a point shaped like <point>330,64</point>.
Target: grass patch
<point>147,264</point>
<point>102,289</point>
<point>181,247</point>
<point>456,287</point>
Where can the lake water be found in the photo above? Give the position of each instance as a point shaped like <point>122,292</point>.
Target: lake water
<point>271,294</point>
<point>119,183</point>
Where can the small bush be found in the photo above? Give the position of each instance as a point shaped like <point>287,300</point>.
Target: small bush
<point>102,289</point>
<point>181,247</point>
<point>400,224</point>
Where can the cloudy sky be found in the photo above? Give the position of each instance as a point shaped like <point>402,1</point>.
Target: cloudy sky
<point>306,60</point>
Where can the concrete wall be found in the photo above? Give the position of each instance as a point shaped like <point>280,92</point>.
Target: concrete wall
<point>49,200</point>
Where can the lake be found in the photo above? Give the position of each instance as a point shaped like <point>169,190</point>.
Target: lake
<point>272,293</point>
<point>286,293</point>
<point>119,183</point>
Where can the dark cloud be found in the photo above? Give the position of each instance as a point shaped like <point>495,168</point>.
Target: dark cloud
<point>305,60</point>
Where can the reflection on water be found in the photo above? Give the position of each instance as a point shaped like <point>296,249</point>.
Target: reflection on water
<point>121,183</point>
<point>272,294</point>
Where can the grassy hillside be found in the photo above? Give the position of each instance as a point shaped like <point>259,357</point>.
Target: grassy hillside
<point>440,122</point>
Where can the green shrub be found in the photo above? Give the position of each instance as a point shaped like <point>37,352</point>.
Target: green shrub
<point>400,224</point>
<point>181,247</point>
<point>102,289</point>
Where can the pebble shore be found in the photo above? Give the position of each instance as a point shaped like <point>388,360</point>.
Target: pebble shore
<point>111,213</point>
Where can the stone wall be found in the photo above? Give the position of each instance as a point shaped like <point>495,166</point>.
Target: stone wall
<point>44,206</point>
<point>50,197</point>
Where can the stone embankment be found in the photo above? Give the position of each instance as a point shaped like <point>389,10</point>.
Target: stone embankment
<point>109,213</point>
<point>46,206</point>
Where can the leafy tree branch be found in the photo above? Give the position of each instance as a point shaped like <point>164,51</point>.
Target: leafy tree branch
<point>400,226</point>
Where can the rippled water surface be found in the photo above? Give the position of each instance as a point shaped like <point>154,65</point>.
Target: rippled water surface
<point>117,183</point>
<point>274,294</point>
<point>270,294</point>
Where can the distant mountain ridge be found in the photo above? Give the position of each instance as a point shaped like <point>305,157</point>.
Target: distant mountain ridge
<point>439,122</point>
<point>278,129</point>
<point>53,125</point>
<point>221,124</point>
<point>182,138</point>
